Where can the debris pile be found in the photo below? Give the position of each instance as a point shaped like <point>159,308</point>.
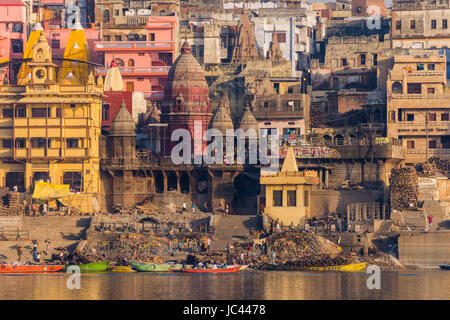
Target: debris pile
<point>426,170</point>
<point>404,193</point>
<point>320,261</point>
<point>10,203</point>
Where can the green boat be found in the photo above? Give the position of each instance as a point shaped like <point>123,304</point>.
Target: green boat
<point>151,267</point>
<point>94,266</point>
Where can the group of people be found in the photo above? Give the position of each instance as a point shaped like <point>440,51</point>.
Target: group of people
<point>213,265</point>
<point>189,245</point>
<point>36,255</point>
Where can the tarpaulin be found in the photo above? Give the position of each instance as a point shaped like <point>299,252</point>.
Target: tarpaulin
<point>47,191</point>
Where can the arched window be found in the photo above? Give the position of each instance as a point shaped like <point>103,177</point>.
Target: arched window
<point>106,16</point>
<point>339,140</point>
<point>397,87</point>
<point>327,140</point>
<point>119,62</point>
<point>131,63</point>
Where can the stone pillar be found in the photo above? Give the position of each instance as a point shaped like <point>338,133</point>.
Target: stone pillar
<point>165,181</point>
<point>178,181</point>
<point>326,178</point>
<point>320,177</point>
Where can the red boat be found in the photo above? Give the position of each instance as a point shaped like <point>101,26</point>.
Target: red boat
<point>224,270</point>
<point>10,268</point>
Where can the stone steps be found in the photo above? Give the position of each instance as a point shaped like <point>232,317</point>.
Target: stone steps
<point>232,227</point>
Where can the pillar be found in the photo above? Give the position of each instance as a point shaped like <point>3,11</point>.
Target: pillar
<point>326,178</point>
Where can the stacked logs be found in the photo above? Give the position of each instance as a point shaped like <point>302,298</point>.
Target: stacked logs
<point>441,165</point>
<point>10,203</point>
<point>426,170</point>
<point>404,193</point>
<point>319,261</point>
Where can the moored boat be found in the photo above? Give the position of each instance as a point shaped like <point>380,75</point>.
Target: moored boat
<point>153,267</point>
<point>221,270</point>
<point>346,267</point>
<point>120,269</point>
<point>445,266</point>
<point>11,268</point>
<point>93,266</point>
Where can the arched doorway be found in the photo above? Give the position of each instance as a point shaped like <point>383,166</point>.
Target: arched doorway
<point>184,182</point>
<point>338,140</point>
<point>172,181</point>
<point>15,181</point>
<point>159,182</point>
<point>246,191</point>
<point>397,87</point>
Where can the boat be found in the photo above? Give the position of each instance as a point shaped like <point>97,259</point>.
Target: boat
<point>12,268</point>
<point>153,267</point>
<point>94,266</point>
<point>221,270</point>
<point>445,266</point>
<point>346,267</point>
<point>120,269</point>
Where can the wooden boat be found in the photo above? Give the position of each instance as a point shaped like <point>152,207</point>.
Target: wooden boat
<point>445,266</point>
<point>94,266</point>
<point>223,270</point>
<point>10,268</point>
<point>120,269</point>
<point>347,267</point>
<point>152,267</point>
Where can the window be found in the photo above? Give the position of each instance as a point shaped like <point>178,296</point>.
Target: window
<point>432,144</point>
<point>21,112</point>
<point>414,88</point>
<point>17,27</point>
<point>7,113</point>
<point>55,44</point>
<point>430,90</point>
<point>375,59</point>
<point>362,59</point>
<point>106,16</point>
<point>72,143</point>
<point>105,112</point>
<point>277,198</point>
<point>431,66</point>
<point>120,62</point>
<point>291,198</point>
<point>21,144</point>
<point>118,38</point>
<point>117,12</point>
<point>432,116</point>
<point>17,45</point>
<point>410,117</point>
<point>444,117</point>
<point>38,143</point>
<point>344,62</point>
<point>131,63</point>
<point>420,67</point>
<point>306,198</point>
<point>433,24</point>
<point>444,24</point>
<point>281,37</point>
<point>7,143</point>
<point>297,38</point>
<point>58,112</point>
<point>412,24</point>
<point>410,144</point>
<point>106,38</point>
<point>398,25</point>
<point>152,37</point>
<point>38,112</point>
<point>73,179</point>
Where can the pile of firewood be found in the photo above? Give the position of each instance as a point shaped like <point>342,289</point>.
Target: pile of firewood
<point>426,170</point>
<point>9,203</point>
<point>441,165</point>
<point>404,193</point>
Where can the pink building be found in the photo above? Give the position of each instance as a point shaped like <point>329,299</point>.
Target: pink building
<point>13,33</point>
<point>144,65</point>
<point>57,39</point>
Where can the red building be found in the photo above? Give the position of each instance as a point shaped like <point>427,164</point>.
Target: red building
<point>186,100</point>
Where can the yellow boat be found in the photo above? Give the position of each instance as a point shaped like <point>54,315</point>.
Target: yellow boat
<point>355,267</point>
<point>120,269</point>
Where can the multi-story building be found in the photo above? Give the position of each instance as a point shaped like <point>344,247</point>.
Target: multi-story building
<point>418,105</point>
<point>144,65</point>
<point>13,33</point>
<point>420,24</point>
<point>50,130</point>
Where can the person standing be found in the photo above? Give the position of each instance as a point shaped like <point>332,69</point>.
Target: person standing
<point>228,247</point>
<point>248,250</point>
<point>19,253</point>
<point>19,234</point>
<point>184,207</point>
<point>227,209</point>
<point>45,208</point>
<point>208,244</point>
<point>193,206</point>
<point>430,222</point>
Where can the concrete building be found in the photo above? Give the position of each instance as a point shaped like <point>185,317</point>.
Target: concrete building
<point>144,64</point>
<point>13,35</point>
<point>287,194</point>
<point>420,24</point>
<point>418,105</point>
<point>50,130</point>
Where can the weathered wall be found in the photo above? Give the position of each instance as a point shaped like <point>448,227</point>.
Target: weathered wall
<point>426,250</point>
<point>330,201</point>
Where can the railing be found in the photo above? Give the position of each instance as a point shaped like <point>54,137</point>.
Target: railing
<point>425,73</point>
<point>430,151</point>
<point>419,124</point>
<point>7,235</point>
<point>420,96</point>
<point>133,44</point>
<point>155,69</point>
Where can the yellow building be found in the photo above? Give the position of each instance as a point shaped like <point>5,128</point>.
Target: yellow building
<point>49,131</point>
<point>288,193</point>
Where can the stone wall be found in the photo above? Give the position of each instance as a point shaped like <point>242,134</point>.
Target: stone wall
<point>426,250</point>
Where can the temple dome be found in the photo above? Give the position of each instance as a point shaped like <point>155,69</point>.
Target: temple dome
<point>248,121</point>
<point>222,120</point>
<point>123,125</point>
<point>186,77</point>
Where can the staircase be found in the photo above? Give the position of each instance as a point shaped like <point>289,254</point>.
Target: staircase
<point>61,231</point>
<point>232,228</point>
<point>440,212</point>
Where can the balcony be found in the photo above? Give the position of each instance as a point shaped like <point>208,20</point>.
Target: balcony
<point>134,45</point>
<point>155,70</point>
<point>415,127</point>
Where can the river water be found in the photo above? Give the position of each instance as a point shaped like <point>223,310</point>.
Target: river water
<point>246,285</point>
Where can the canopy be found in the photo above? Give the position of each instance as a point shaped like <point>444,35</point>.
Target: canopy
<point>47,190</point>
